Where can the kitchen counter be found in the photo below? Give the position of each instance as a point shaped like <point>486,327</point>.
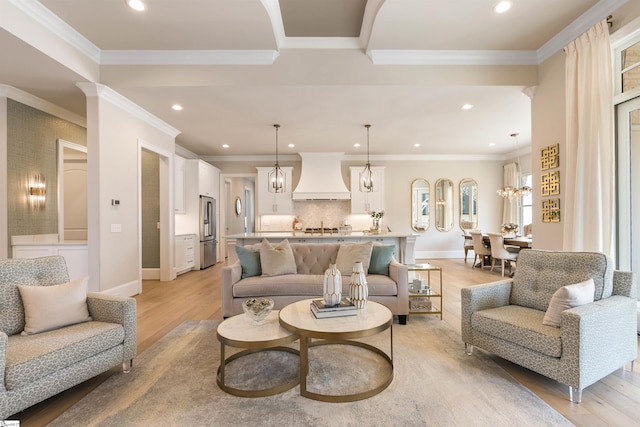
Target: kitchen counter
<point>405,243</point>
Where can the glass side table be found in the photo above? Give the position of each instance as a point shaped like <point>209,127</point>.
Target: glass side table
<point>422,296</point>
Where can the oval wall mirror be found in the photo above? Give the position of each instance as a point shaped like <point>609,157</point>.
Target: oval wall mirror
<point>238,206</point>
<point>468,204</point>
<point>420,205</point>
<point>444,204</point>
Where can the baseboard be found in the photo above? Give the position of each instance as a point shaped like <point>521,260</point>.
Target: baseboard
<point>125,290</point>
<point>150,274</point>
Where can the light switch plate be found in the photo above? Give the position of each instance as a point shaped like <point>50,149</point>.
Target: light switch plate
<point>116,228</point>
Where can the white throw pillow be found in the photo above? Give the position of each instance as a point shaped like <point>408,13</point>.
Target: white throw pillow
<point>568,297</point>
<point>52,307</point>
<point>277,260</point>
<point>350,253</point>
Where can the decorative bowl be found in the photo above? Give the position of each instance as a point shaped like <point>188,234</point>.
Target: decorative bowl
<point>257,309</point>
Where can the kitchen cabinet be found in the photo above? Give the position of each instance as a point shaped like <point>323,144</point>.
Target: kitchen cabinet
<point>75,253</point>
<point>184,252</point>
<point>363,203</point>
<point>208,178</point>
<point>273,203</point>
<point>179,179</point>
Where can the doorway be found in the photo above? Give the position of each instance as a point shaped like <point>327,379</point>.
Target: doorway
<point>238,209</point>
<point>72,191</point>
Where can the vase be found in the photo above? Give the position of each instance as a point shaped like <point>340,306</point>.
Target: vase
<point>377,225</point>
<point>358,289</point>
<point>332,286</point>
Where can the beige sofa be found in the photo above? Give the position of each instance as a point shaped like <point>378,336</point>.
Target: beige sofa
<point>311,262</point>
<point>36,367</point>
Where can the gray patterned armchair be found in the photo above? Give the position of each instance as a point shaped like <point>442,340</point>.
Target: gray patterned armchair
<point>595,339</point>
<point>36,367</point>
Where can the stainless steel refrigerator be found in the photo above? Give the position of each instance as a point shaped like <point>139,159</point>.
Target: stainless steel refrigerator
<point>208,243</point>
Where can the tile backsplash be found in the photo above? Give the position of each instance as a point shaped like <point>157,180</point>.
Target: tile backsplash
<point>312,213</point>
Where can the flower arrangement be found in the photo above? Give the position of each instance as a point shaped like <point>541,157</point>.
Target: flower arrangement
<point>509,229</point>
<point>376,215</point>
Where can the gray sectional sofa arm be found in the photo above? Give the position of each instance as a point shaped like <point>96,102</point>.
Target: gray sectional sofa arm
<point>231,274</point>
<point>120,310</point>
<point>400,274</point>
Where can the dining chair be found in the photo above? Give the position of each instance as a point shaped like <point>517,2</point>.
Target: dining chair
<point>479,248</point>
<point>467,244</point>
<point>506,254</point>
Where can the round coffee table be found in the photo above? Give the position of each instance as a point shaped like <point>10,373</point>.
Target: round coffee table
<point>239,331</point>
<point>373,319</point>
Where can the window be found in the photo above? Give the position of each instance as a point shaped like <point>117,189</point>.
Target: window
<point>630,58</point>
<point>526,205</point>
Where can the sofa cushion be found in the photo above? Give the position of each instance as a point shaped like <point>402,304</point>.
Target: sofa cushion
<point>568,297</point>
<point>52,307</point>
<point>541,273</point>
<point>249,261</point>
<point>31,357</point>
<point>350,253</point>
<point>32,272</point>
<point>277,260</point>
<point>381,256</point>
<point>306,285</point>
<point>519,325</point>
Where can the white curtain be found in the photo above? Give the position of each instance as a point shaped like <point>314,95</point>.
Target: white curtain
<point>510,208</point>
<point>588,209</point>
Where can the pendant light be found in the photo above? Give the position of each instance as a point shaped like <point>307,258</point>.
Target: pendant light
<point>366,176</point>
<point>276,178</point>
<point>509,192</point>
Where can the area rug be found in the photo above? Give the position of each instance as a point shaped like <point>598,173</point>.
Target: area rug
<point>435,384</point>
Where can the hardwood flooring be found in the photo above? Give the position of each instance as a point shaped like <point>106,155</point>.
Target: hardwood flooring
<point>613,401</point>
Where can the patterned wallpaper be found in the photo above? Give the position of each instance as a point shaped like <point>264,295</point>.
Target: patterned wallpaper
<point>150,210</point>
<point>31,149</point>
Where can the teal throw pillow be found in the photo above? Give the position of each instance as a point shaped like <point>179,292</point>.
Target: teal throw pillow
<point>250,261</point>
<point>381,256</point>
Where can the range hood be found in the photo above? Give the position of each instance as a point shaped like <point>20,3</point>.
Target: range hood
<point>321,178</point>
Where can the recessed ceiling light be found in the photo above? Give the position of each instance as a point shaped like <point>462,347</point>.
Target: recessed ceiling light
<point>416,145</point>
<point>291,145</point>
<point>176,107</point>
<point>493,144</point>
<point>467,107</point>
<point>225,145</point>
<point>136,5</point>
<point>356,145</point>
<point>503,6</point>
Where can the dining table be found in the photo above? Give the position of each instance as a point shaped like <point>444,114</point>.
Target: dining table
<point>522,242</point>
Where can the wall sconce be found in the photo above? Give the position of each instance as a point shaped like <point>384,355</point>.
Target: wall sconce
<point>37,191</point>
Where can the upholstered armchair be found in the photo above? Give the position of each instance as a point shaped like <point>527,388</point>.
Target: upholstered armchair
<point>593,339</point>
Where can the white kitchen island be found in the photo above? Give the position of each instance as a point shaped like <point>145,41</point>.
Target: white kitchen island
<point>405,243</point>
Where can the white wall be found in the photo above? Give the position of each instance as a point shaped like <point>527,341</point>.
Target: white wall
<point>114,129</point>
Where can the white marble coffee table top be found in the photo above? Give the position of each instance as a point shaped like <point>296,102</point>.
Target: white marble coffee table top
<point>239,331</point>
<point>372,319</point>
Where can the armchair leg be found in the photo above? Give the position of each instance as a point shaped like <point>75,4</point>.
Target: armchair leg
<point>126,366</point>
<point>575,395</point>
<point>468,348</point>
<point>628,367</point>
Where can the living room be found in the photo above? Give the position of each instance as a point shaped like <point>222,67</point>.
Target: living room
<point>117,128</point>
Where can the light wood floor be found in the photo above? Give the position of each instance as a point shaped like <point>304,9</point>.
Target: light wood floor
<point>613,401</point>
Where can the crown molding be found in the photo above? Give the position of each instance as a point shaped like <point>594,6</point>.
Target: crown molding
<point>452,57</point>
<point>113,97</point>
<point>597,13</point>
<point>42,105</point>
<point>275,16</point>
<point>188,57</point>
<point>322,43</point>
<point>57,26</point>
<point>359,157</point>
<point>183,152</point>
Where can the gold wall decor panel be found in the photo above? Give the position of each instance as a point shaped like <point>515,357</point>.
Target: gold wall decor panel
<point>551,210</point>
<point>550,184</point>
<point>549,157</point>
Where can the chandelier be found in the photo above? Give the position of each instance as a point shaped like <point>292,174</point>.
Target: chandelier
<point>276,178</point>
<point>366,176</point>
<point>509,192</point>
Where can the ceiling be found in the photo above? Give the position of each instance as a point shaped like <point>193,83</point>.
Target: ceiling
<point>320,68</point>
